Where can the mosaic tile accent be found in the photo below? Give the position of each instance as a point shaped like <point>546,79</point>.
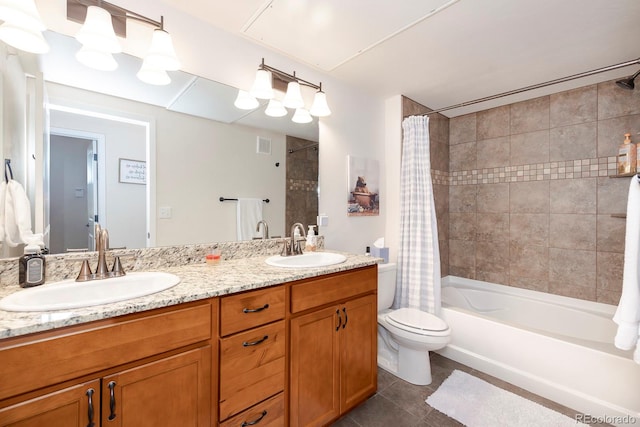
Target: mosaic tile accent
<point>570,169</point>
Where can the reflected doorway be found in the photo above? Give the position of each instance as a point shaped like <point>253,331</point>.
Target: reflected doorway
<point>74,188</point>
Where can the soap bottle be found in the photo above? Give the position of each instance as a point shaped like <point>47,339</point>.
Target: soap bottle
<point>32,267</point>
<point>627,156</point>
<point>311,240</point>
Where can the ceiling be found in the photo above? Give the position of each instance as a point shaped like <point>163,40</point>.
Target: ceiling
<point>440,52</point>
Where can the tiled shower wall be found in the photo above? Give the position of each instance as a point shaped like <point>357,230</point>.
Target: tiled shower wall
<point>301,182</point>
<point>531,203</point>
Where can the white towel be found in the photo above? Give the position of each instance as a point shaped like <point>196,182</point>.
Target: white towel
<point>627,315</point>
<point>17,216</point>
<point>3,192</point>
<point>249,213</point>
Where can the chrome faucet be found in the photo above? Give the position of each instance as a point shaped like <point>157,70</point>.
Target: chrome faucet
<point>292,246</point>
<point>265,228</point>
<point>102,271</point>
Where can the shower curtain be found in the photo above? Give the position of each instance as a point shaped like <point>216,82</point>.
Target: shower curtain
<point>418,280</point>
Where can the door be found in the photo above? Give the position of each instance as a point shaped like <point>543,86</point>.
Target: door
<point>92,193</point>
<point>174,391</point>
<point>76,406</point>
<point>358,351</point>
<point>315,369</point>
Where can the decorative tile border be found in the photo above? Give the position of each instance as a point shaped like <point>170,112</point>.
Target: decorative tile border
<point>303,185</point>
<point>569,169</point>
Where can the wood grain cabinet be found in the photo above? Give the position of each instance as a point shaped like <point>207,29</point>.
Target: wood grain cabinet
<point>252,358</point>
<point>333,346</point>
<point>149,369</point>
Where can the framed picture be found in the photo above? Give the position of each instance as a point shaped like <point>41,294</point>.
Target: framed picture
<point>132,171</point>
<point>364,187</point>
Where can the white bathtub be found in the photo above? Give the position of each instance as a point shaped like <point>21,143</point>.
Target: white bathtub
<point>558,347</point>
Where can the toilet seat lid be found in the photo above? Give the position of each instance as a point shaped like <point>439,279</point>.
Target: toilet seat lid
<point>417,319</point>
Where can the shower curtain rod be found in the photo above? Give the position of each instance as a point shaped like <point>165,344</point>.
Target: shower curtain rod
<point>537,86</point>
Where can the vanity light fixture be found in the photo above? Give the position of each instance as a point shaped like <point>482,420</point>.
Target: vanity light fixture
<point>262,88</point>
<point>22,26</point>
<point>99,41</point>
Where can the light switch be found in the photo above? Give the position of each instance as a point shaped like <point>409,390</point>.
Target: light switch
<point>164,212</point>
<point>323,220</point>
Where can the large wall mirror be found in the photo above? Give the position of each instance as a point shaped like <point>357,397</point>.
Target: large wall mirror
<point>152,162</point>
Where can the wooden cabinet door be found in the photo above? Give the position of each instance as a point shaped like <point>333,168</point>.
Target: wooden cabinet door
<point>358,351</point>
<point>69,407</point>
<point>174,391</point>
<point>315,368</point>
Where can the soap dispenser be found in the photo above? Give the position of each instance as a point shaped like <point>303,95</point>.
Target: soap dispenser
<point>311,240</point>
<point>32,266</point>
<point>627,156</point>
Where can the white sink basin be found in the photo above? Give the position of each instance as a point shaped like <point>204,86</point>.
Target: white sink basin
<point>68,294</point>
<point>306,260</point>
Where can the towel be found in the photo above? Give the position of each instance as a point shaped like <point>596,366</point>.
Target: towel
<point>249,213</point>
<point>17,216</point>
<point>3,192</point>
<point>627,314</point>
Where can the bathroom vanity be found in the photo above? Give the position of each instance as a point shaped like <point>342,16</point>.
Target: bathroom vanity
<point>257,347</point>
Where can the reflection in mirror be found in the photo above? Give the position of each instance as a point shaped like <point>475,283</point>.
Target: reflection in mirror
<point>194,144</point>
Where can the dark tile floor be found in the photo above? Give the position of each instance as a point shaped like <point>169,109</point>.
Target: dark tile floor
<point>401,404</point>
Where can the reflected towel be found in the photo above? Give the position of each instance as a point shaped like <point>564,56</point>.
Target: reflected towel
<point>249,213</point>
<point>3,192</point>
<point>17,216</point>
<point>627,314</point>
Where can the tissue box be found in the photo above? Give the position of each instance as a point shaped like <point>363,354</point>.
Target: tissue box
<point>380,253</point>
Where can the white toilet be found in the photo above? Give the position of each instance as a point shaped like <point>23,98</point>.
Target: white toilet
<point>406,335</point>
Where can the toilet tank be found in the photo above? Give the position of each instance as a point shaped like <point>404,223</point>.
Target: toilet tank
<point>386,285</point>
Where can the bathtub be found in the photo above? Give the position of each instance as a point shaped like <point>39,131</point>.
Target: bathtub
<point>557,347</point>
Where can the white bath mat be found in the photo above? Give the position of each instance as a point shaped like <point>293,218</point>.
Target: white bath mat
<point>476,403</point>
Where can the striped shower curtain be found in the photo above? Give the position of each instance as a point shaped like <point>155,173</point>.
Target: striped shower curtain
<point>418,280</point>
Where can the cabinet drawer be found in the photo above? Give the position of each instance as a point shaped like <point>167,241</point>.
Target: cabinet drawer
<point>269,413</point>
<point>334,288</point>
<point>252,367</point>
<point>250,309</point>
<point>52,357</point>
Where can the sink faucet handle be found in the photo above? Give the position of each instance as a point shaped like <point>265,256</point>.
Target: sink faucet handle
<point>85,271</point>
<point>286,248</point>
<point>117,269</point>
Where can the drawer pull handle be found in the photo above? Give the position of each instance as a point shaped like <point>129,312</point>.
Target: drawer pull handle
<point>90,395</point>
<point>256,421</point>
<point>346,319</point>
<point>112,400</point>
<point>339,319</point>
<point>255,310</point>
<point>252,343</point>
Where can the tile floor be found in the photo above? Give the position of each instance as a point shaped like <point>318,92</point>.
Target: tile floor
<point>400,404</point>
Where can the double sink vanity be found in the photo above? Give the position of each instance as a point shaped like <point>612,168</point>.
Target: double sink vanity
<point>259,340</point>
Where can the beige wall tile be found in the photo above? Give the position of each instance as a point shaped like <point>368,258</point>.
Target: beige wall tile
<point>462,129</point>
<point>529,229</point>
<point>462,198</point>
<point>574,106</point>
<point>462,254</point>
<point>572,231</point>
<point>528,261</point>
<point>615,102</point>
<point>571,267</point>
<point>439,152</point>
<point>468,273</point>
<point>579,292</point>
<point>612,195</point>
<point>462,156</point>
<point>530,147</point>
<point>573,142</point>
<point>609,272</point>
<point>462,226</point>
<point>492,227</point>
<point>540,285</point>
<point>493,198</point>
<point>573,196</point>
<point>493,123</point>
<point>492,257</point>
<point>492,277</point>
<point>493,152</point>
<point>530,116</point>
<point>610,234</point>
<point>611,133</point>
<point>529,197</point>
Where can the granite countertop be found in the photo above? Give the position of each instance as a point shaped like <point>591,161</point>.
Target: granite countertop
<point>197,281</point>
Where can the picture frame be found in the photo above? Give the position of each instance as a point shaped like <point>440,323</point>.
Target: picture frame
<point>132,171</point>
<point>363,186</point>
